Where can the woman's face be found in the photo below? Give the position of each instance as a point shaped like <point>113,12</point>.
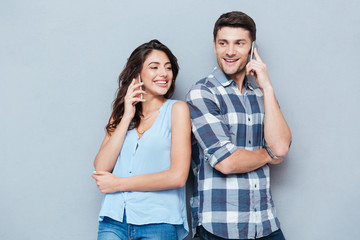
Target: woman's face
<point>156,73</point>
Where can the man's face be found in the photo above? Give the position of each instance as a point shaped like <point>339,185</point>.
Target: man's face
<point>232,47</point>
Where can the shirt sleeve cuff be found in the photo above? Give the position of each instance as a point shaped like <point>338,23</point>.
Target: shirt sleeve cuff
<point>272,155</point>
<point>220,154</point>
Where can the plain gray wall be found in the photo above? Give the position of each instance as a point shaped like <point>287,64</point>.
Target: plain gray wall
<point>59,64</point>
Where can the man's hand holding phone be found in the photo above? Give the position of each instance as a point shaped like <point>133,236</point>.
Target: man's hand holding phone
<point>256,67</point>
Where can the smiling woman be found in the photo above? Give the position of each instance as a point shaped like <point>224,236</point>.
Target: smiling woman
<point>144,160</point>
<point>157,74</point>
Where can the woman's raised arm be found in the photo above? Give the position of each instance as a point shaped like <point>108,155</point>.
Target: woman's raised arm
<point>111,146</point>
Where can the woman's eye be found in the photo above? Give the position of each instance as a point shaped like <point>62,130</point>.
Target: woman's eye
<point>154,67</point>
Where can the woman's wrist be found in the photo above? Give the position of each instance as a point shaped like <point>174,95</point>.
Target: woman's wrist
<point>119,185</point>
<point>127,119</point>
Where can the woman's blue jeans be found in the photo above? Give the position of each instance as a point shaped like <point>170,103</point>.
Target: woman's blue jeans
<point>110,229</point>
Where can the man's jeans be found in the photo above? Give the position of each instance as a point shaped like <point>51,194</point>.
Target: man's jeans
<point>110,229</point>
<point>205,235</point>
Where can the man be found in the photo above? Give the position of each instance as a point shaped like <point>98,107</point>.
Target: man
<point>238,130</point>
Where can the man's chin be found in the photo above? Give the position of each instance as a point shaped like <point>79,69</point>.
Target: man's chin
<point>232,72</point>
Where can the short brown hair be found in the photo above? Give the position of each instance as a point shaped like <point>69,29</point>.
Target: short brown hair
<point>236,19</point>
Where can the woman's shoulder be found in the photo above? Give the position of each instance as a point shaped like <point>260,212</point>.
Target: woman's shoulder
<point>172,104</point>
<point>180,117</point>
<point>179,109</point>
<point>177,104</point>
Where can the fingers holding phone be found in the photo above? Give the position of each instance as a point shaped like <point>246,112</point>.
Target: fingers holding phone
<point>139,87</point>
<point>254,65</point>
<point>257,68</point>
<point>136,91</point>
<point>133,96</point>
<point>139,81</point>
<point>250,71</point>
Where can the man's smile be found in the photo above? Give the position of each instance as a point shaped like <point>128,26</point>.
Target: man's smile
<point>231,60</point>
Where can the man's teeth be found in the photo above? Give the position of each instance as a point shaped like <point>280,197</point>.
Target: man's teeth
<point>228,60</point>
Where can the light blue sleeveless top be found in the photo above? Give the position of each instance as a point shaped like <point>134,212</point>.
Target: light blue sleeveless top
<point>152,155</point>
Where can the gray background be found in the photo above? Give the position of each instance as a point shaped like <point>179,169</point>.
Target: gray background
<point>59,65</point>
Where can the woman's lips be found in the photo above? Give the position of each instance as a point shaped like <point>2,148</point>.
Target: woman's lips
<point>161,83</point>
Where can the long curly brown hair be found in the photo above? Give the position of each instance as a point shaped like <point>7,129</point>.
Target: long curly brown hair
<point>131,70</point>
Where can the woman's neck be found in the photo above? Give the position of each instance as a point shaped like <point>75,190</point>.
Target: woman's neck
<point>152,104</point>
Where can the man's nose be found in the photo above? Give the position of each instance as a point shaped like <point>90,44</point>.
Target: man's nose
<point>230,51</point>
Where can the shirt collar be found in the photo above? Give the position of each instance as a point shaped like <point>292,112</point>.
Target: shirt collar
<point>226,81</point>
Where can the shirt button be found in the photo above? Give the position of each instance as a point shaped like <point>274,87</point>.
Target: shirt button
<point>129,171</point>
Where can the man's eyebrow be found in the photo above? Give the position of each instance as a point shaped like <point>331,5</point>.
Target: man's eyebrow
<point>225,40</point>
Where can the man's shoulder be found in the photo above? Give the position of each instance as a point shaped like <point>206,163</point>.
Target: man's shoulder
<point>208,82</point>
<point>204,87</point>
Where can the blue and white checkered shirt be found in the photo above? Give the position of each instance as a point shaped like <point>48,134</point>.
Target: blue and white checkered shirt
<point>236,206</point>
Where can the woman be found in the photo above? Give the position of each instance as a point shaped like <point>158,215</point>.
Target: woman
<point>144,160</point>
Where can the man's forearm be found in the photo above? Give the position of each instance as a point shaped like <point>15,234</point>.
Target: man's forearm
<point>242,161</point>
<point>276,131</point>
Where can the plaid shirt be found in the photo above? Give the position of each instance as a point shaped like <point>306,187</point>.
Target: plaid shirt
<point>236,206</point>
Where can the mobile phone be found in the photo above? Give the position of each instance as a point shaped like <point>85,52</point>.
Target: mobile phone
<point>253,45</point>
<point>251,56</point>
<point>139,79</point>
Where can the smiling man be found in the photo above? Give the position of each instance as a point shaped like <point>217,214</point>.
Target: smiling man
<point>234,141</point>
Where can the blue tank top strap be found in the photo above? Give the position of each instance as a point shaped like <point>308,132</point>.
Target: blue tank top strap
<point>165,112</point>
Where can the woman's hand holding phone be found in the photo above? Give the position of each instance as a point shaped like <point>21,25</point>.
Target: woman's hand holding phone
<point>139,81</point>
<point>132,97</point>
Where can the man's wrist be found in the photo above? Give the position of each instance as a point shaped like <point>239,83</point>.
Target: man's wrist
<point>267,157</point>
<point>268,89</point>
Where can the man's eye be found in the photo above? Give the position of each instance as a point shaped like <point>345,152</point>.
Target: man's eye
<point>222,43</point>
<point>240,43</point>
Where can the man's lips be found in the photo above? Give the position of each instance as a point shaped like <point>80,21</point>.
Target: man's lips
<point>230,60</point>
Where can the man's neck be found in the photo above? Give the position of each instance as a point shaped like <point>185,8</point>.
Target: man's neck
<point>239,78</point>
